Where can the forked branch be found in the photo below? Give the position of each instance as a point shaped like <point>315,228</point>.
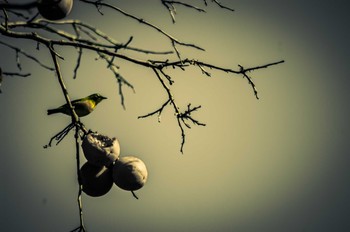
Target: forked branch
<point>181,117</point>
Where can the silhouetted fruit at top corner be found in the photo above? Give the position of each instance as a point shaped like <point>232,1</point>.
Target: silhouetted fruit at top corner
<point>129,173</point>
<point>96,181</point>
<point>54,9</point>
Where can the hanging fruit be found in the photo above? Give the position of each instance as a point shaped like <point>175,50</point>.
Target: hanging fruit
<point>100,150</point>
<point>129,173</point>
<point>54,9</point>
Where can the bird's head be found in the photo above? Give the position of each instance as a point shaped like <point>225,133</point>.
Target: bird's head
<point>97,98</point>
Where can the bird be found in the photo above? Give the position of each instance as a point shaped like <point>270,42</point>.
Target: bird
<point>82,106</point>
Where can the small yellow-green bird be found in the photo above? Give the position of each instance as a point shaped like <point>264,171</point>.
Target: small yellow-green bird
<point>82,107</point>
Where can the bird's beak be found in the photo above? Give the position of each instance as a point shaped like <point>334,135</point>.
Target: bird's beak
<point>103,97</point>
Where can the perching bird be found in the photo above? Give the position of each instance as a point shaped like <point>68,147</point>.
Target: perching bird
<point>82,107</point>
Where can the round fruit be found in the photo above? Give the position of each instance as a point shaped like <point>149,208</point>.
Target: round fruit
<point>100,150</point>
<point>54,9</point>
<point>129,173</point>
<point>96,181</point>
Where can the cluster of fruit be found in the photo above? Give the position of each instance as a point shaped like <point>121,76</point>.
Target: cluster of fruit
<point>104,166</point>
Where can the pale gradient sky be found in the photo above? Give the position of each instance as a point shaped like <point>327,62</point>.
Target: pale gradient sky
<point>275,164</point>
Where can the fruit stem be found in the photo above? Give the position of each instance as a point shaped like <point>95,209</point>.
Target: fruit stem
<point>134,195</point>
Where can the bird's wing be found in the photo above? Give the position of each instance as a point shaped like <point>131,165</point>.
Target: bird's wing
<point>81,100</point>
<point>83,108</point>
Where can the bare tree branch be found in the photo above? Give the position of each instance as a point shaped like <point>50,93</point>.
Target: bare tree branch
<point>157,67</point>
<point>173,40</point>
<point>181,117</point>
<point>242,71</point>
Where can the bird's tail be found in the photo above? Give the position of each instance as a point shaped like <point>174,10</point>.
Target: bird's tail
<point>53,111</point>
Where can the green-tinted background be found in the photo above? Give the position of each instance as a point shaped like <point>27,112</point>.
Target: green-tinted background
<point>275,164</point>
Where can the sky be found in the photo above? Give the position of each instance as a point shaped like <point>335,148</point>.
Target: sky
<point>279,163</point>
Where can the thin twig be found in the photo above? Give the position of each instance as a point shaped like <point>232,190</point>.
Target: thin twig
<point>120,79</point>
<point>187,116</point>
<point>179,116</point>
<point>16,74</point>
<point>17,14</point>
<point>170,5</point>
<point>80,186</point>
<point>60,135</point>
<point>222,6</point>
<point>20,51</point>
<point>158,111</point>
<point>80,54</point>
<point>142,21</point>
<point>242,71</point>
<point>184,4</point>
<point>74,116</point>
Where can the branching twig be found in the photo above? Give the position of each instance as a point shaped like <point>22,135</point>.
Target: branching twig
<point>120,79</point>
<point>181,117</point>
<point>175,107</point>
<point>187,116</point>
<point>142,21</point>
<point>20,51</point>
<point>170,5</point>
<point>222,6</point>
<point>242,71</point>
<point>60,135</point>
<point>158,111</point>
<point>219,4</point>
<point>17,14</point>
<point>63,133</point>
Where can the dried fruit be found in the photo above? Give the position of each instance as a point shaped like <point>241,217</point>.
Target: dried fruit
<point>129,173</point>
<point>96,181</point>
<point>100,150</point>
<point>54,9</point>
